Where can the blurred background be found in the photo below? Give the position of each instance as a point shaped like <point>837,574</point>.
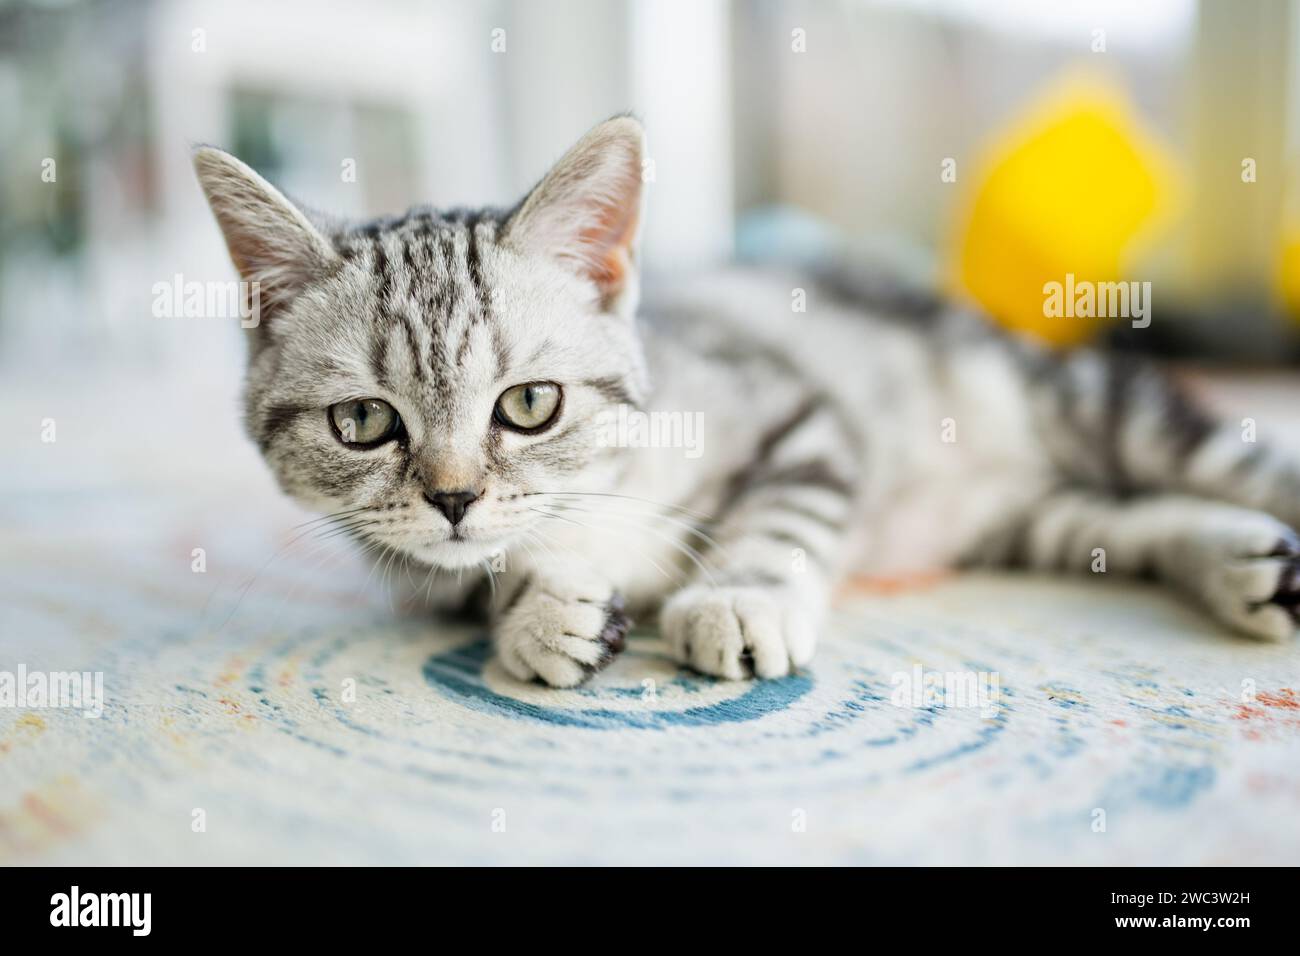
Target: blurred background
<point>984,147</point>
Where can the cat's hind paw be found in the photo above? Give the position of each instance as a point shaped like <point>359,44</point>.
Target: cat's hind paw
<point>1257,589</point>
<point>738,632</point>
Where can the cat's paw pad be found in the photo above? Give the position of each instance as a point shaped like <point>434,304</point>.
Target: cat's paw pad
<point>561,638</point>
<point>1257,587</point>
<point>738,632</point>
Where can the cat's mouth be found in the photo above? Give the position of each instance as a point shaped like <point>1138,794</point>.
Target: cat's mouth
<point>460,549</point>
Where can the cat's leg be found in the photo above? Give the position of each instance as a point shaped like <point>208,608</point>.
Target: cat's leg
<point>1230,465</point>
<point>1115,422</point>
<point>560,625</point>
<point>1240,564</point>
<point>759,603</point>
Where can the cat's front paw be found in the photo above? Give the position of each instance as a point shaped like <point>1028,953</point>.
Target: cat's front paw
<point>560,634</point>
<point>739,632</point>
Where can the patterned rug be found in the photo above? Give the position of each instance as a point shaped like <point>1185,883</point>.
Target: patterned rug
<point>1121,730</point>
<point>299,719</point>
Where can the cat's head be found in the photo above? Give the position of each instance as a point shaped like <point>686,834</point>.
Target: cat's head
<point>443,371</point>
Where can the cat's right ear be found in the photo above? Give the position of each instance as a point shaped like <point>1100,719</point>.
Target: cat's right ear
<point>271,241</point>
<point>586,212</point>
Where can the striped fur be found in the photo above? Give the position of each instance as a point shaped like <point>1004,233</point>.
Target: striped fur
<point>872,432</point>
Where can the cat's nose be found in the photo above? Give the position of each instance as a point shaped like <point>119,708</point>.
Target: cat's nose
<point>453,504</point>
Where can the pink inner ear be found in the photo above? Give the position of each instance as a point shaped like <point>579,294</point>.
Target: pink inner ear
<point>610,241</point>
<point>585,212</point>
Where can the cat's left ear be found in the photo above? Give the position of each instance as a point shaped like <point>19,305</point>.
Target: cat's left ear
<point>586,212</point>
<point>271,241</point>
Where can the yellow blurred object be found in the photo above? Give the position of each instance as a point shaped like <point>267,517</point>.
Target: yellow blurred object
<point>1288,273</point>
<point>1065,195</point>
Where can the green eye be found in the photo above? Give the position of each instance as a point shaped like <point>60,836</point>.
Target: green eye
<point>529,408</point>
<point>364,421</point>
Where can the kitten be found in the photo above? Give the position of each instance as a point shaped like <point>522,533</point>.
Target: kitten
<point>444,383</point>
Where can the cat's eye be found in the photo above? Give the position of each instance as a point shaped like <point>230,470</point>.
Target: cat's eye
<point>528,408</point>
<point>365,422</point>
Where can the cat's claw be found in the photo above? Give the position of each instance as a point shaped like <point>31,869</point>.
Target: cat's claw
<point>614,634</point>
<point>1286,592</point>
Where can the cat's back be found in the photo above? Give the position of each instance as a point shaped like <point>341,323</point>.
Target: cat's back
<point>866,339</point>
<point>938,397</point>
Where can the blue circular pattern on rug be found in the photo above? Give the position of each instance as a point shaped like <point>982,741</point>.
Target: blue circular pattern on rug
<point>460,675</point>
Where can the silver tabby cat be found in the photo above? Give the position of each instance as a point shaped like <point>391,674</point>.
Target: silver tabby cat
<point>444,382</point>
